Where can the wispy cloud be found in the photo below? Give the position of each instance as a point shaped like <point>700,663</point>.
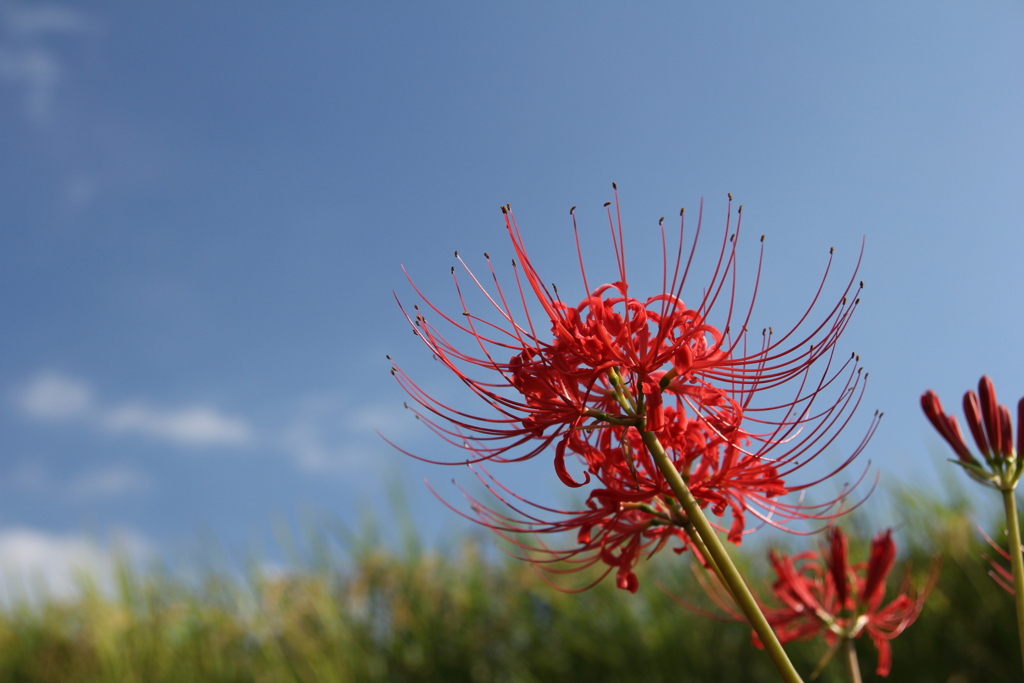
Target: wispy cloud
<point>98,483</point>
<point>36,564</point>
<point>312,450</point>
<point>36,71</point>
<point>198,426</point>
<point>51,396</point>
<point>324,433</point>
<point>29,61</point>
<point>388,419</point>
<point>42,19</point>
<point>328,434</point>
<point>55,397</point>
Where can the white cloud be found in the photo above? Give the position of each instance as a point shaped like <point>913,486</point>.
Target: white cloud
<point>307,445</point>
<point>36,564</point>
<point>40,19</point>
<point>328,434</point>
<point>200,426</point>
<point>27,60</point>
<point>391,420</point>
<point>55,397</point>
<point>97,483</point>
<point>325,434</point>
<point>35,69</point>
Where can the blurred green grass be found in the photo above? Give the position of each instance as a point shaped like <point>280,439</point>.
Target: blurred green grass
<point>370,613</point>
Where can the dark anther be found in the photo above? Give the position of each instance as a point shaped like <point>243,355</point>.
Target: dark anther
<point>614,186</point>
<point>572,210</point>
<point>762,238</point>
<point>730,196</point>
<point>504,210</point>
<point>607,204</point>
<point>486,255</point>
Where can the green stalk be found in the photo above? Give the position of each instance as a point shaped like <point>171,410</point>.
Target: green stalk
<point>1016,560</point>
<point>737,586</point>
<point>852,665</point>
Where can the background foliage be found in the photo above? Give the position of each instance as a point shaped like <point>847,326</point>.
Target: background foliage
<point>357,611</point>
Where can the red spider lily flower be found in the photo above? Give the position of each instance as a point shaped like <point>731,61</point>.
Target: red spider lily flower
<point>823,595</point>
<point>588,379</point>
<point>992,429</point>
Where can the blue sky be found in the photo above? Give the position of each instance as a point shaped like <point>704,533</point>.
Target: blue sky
<point>206,208</point>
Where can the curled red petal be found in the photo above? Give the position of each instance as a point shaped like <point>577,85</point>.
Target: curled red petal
<point>990,411</point>
<point>1020,428</point>
<point>945,425</point>
<point>838,565</point>
<point>883,555</point>
<point>655,406</point>
<point>1005,432</point>
<point>562,472</point>
<point>972,413</point>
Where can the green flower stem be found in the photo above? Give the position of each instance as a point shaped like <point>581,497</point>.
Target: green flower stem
<point>852,665</point>
<point>1016,560</point>
<point>744,598</point>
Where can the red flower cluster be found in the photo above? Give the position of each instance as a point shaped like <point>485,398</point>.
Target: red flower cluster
<point>591,379</point>
<point>992,429</point>
<point>822,594</point>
